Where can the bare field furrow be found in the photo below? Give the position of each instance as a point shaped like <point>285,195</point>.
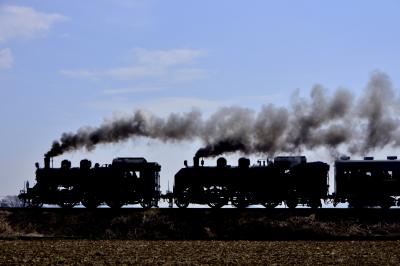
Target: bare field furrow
<point>104,252</point>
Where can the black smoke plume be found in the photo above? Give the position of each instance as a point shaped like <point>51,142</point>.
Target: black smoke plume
<point>331,121</point>
<point>175,128</point>
<point>220,147</point>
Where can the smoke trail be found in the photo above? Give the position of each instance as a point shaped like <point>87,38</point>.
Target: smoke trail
<point>321,121</point>
<point>269,129</point>
<point>174,128</point>
<point>220,147</point>
<point>377,107</point>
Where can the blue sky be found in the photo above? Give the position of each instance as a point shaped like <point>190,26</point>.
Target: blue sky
<point>67,64</point>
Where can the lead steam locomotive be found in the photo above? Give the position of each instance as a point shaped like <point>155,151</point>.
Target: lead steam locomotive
<point>285,179</point>
<point>124,181</point>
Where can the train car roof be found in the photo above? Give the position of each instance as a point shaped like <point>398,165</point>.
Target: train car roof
<point>366,161</point>
<point>134,160</point>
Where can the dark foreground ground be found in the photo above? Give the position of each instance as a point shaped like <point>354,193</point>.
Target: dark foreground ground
<point>138,252</point>
<point>201,224</point>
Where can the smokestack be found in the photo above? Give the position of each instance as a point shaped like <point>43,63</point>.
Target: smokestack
<point>46,161</point>
<point>196,161</point>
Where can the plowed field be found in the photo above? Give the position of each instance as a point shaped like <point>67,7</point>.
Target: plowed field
<point>104,252</point>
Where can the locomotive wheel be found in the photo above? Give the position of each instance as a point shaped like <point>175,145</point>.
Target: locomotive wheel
<point>387,203</point>
<point>271,204</point>
<point>291,203</point>
<point>215,205</point>
<point>114,204</point>
<point>182,199</point>
<point>240,201</point>
<point>240,205</point>
<point>215,197</point>
<point>355,204</point>
<point>314,203</point>
<point>67,205</point>
<point>146,204</point>
<point>181,202</point>
<point>35,203</point>
<point>90,202</point>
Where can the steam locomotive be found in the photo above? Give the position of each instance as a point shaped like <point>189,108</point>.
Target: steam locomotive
<point>288,179</point>
<point>124,181</point>
<point>285,179</point>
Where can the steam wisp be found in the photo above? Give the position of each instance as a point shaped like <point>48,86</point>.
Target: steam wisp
<point>358,125</point>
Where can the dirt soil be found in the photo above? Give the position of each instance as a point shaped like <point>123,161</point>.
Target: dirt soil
<point>129,252</point>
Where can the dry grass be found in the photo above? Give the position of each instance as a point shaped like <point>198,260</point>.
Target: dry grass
<point>104,252</point>
<point>158,224</point>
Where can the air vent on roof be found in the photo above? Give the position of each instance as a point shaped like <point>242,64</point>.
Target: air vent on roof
<point>392,157</point>
<point>368,158</point>
<point>344,158</point>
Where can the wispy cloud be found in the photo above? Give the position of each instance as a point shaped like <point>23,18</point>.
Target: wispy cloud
<point>81,73</point>
<point>159,106</point>
<point>141,71</point>
<point>181,104</point>
<point>6,59</point>
<point>119,73</point>
<point>25,22</point>
<point>131,90</point>
<point>167,57</point>
<point>131,3</point>
<point>174,64</point>
<point>189,74</point>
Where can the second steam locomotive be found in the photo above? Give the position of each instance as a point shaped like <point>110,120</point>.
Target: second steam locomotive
<point>285,179</point>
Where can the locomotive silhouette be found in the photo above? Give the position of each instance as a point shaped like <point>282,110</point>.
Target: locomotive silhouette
<point>124,181</point>
<point>285,179</point>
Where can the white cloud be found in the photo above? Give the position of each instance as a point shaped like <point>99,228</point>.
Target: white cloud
<point>6,58</point>
<point>25,22</point>
<point>168,64</point>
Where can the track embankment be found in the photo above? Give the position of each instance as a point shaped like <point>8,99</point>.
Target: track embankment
<point>181,224</point>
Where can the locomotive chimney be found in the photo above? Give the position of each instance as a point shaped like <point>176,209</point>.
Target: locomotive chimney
<point>196,161</point>
<point>46,161</point>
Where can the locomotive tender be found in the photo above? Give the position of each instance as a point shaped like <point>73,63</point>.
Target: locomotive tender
<point>286,179</point>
